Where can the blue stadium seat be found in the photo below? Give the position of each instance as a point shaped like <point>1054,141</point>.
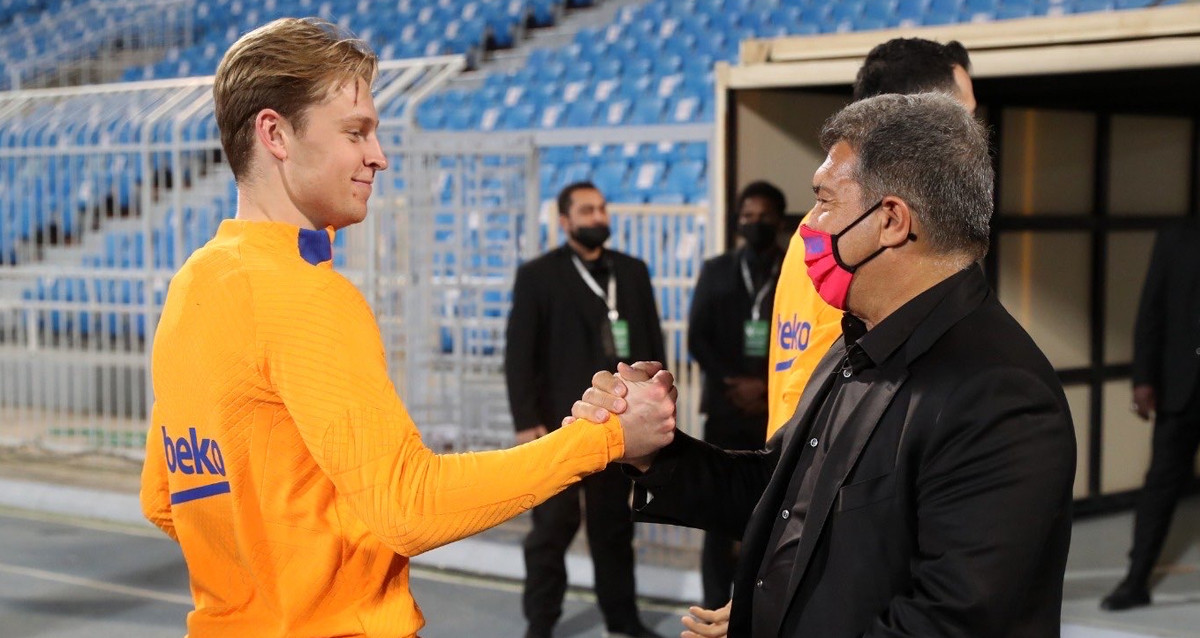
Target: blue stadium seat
<point>609,177</point>
<point>1088,6</point>
<point>616,112</point>
<point>685,176</point>
<point>582,113</point>
<point>544,12</point>
<point>647,110</point>
<point>518,117</point>
<point>646,177</point>
<point>575,172</point>
<point>935,19</point>
<point>685,108</point>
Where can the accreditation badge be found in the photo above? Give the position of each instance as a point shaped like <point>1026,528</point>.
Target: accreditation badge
<point>757,334</point>
<point>620,332</point>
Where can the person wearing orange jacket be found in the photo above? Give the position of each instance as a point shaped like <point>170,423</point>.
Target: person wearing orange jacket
<point>279,456</point>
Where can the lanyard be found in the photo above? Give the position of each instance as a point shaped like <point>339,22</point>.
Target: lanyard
<point>610,298</point>
<point>756,310</point>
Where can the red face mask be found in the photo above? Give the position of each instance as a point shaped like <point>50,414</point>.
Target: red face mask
<point>828,272</point>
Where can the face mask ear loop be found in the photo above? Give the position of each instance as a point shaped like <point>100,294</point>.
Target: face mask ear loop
<point>833,239</point>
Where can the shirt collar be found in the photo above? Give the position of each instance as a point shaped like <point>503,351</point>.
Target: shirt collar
<point>869,348</point>
<point>316,246</point>
<point>313,246</point>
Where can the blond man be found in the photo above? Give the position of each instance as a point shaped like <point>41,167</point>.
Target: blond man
<point>279,456</point>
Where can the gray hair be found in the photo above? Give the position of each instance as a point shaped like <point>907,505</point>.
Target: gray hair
<point>930,152</point>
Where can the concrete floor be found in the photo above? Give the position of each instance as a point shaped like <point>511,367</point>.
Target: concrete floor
<point>67,575</point>
<point>61,578</point>
<point>1098,560</point>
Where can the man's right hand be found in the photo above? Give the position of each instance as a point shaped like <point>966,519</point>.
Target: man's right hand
<point>529,434</point>
<point>644,395</point>
<point>606,396</point>
<point>1145,401</point>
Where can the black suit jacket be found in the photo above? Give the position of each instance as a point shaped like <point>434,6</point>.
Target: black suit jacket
<point>554,345</point>
<point>943,508</point>
<point>1166,342</point>
<point>720,307</point>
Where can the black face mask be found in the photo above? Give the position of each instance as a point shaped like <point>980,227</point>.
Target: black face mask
<point>591,237</point>
<point>759,235</point>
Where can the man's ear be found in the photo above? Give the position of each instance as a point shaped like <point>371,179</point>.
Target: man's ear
<point>273,132</point>
<point>898,222</point>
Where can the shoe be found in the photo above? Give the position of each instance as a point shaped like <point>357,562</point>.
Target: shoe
<point>639,632</point>
<point>1126,596</point>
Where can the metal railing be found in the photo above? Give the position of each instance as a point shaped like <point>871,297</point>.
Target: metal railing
<point>92,41</point>
<point>107,189</point>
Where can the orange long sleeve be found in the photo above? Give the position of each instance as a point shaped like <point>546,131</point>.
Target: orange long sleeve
<point>288,468</point>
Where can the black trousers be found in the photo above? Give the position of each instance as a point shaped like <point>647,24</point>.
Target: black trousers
<point>1176,438</point>
<point>718,554</point>
<point>610,538</point>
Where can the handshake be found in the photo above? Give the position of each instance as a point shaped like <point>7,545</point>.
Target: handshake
<point>643,395</point>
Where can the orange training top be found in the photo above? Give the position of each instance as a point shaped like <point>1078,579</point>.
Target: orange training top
<point>281,459</point>
<point>803,329</point>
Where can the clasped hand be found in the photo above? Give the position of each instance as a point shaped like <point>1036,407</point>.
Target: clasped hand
<point>644,396</point>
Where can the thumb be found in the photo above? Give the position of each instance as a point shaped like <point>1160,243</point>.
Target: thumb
<point>649,367</point>
<point>633,373</point>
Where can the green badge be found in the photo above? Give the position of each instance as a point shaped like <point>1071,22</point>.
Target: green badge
<point>757,334</point>
<point>620,331</point>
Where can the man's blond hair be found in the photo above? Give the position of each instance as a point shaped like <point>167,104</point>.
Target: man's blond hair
<point>286,65</point>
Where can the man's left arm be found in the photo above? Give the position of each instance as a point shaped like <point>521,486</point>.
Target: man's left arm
<point>993,508</point>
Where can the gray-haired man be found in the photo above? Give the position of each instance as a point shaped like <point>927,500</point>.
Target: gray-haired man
<point>923,486</point>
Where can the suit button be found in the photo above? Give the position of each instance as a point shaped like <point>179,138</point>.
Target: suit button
<point>846,373</point>
<point>812,443</point>
<point>785,514</point>
<point>758,584</point>
<point>1198,352</point>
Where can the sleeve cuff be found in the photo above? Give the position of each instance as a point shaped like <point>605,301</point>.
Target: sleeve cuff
<point>614,437</point>
<point>660,472</point>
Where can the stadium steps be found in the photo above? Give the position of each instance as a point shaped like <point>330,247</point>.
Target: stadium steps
<point>562,33</point>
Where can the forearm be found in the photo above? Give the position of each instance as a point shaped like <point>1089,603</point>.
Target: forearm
<point>694,484</point>
<point>415,500</point>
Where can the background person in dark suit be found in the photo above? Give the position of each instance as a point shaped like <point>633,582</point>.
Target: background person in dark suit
<point>728,334</point>
<point>1166,384</point>
<point>578,309</point>
<point>923,486</point>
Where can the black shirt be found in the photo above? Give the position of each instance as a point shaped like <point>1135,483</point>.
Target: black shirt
<point>865,351</point>
<point>598,268</point>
